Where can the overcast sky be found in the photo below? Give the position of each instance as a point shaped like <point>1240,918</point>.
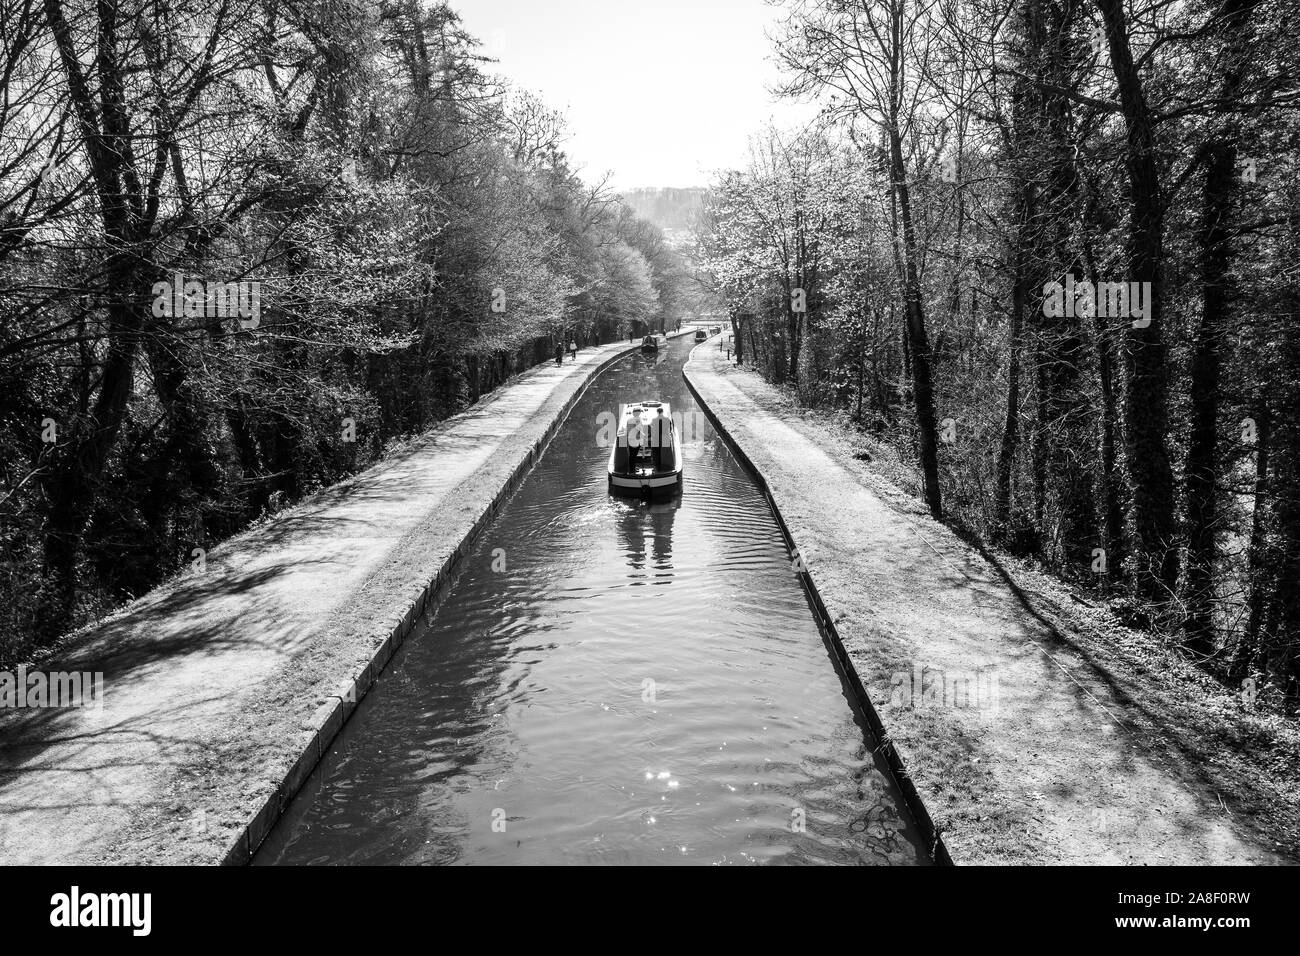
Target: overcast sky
<point>659,93</point>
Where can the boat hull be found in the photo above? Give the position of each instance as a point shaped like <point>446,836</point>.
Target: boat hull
<point>641,485</point>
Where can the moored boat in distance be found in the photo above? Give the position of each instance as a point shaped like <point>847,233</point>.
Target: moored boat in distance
<point>646,458</point>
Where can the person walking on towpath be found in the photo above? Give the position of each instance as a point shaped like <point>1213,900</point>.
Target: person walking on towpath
<point>573,348</point>
<point>559,353</point>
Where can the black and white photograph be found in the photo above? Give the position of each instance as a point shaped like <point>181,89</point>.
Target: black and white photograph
<point>583,433</point>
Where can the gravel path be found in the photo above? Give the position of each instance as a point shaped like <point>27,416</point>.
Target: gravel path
<point>1026,745</point>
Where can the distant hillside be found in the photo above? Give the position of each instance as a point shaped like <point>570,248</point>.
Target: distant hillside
<point>667,207</point>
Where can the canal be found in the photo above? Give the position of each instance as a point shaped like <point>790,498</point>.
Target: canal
<point>610,681</point>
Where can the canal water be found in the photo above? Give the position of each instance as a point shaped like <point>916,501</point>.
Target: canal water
<point>610,681</point>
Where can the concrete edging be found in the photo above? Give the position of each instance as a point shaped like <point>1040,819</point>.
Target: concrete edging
<point>915,805</point>
<point>332,715</point>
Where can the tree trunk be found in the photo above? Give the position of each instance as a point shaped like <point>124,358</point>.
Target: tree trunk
<point>1011,425</point>
<point>1146,411</point>
<point>71,487</point>
<point>1259,576</point>
<point>918,342</point>
<point>1202,466</point>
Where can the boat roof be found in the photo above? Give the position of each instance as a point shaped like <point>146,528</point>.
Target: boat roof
<point>646,409</point>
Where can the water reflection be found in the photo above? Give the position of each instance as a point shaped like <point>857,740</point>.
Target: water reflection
<point>646,531</point>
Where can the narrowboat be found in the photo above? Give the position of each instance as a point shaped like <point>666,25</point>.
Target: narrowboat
<point>646,458</point>
<point>649,344</point>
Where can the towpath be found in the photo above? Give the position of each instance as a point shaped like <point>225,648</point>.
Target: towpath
<point>1027,737</point>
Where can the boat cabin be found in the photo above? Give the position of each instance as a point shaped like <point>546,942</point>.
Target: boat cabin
<point>646,457</point>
